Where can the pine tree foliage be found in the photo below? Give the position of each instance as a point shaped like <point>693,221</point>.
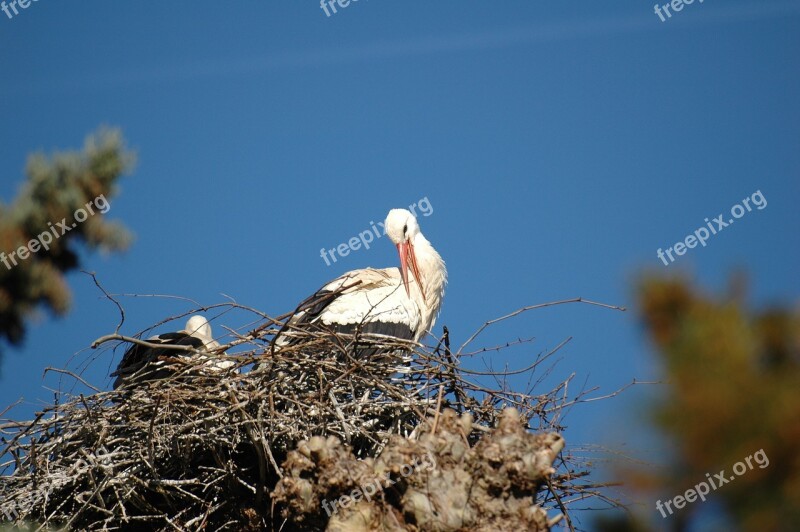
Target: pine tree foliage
<point>56,187</point>
<point>732,388</point>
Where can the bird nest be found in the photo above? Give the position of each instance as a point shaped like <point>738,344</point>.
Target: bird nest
<point>213,450</point>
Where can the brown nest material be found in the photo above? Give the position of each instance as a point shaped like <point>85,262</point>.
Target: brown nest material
<point>260,449</point>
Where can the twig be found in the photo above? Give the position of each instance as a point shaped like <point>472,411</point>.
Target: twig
<point>71,374</point>
<point>533,307</point>
<point>109,297</point>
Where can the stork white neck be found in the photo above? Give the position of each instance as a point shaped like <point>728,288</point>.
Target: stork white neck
<point>433,278</point>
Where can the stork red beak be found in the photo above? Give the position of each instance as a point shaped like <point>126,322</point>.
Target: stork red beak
<point>407,257</point>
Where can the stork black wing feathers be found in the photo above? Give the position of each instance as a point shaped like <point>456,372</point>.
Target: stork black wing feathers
<point>313,306</point>
<point>142,363</point>
<point>395,330</point>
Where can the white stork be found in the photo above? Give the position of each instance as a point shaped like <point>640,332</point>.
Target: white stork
<point>196,334</point>
<point>402,303</point>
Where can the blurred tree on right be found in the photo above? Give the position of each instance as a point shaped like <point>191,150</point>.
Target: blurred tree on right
<point>731,388</point>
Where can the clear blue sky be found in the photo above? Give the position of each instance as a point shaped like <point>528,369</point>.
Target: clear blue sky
<point>560,147</point>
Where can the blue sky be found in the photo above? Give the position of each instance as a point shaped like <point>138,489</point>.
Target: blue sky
<point>559,146</point>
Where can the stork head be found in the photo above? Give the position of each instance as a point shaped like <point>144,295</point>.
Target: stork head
<point>198,327</point>
<point>402,228</point>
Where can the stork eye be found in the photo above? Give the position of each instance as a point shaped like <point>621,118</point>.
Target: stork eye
<point>405,229</point>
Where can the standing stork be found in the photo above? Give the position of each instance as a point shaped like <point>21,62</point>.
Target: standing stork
<point>196,334</point>
<point>402,303</point>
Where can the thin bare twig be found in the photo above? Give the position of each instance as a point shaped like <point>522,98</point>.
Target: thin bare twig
<point>533,307</point>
